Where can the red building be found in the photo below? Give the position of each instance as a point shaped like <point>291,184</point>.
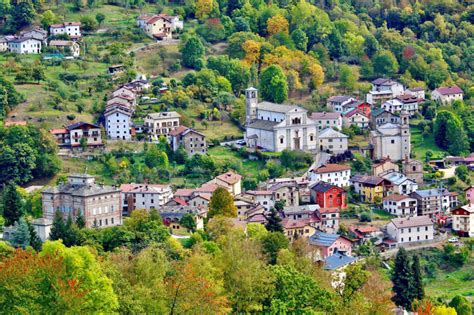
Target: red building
<point>328,196</point>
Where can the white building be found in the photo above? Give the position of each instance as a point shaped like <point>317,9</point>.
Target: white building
<point>419,92</point>
<point>25,45</point>
<point>384,89</point>
<point>327,120</point>
<point>118,122</point>
<point>336,174</point>
<point>161,124</point>
<point>341,103</point>
<point>275,127</point>
<point>261,197</point>
<point>356,117</point>
<point>332,141</point>
<point>391,141</point>
<point>36,33</point>
<point>144,196</point>
<point>447,94</point>
<point>400,184</point>
<point>405,102</point>
<point>463,220</point>
<point>400,205</point>
<point>72,29</point>
<point>411,229</point>
<point>3,43</point>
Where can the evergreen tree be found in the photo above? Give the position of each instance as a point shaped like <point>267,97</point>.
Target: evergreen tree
<point>21,236</point>
<point>402,280</point>
<point>58,230</point>
<point>273,222</point>
<point>273,84</point>
<point>461,305</point>
<point>80,222</point>
<point>12,207</point>
<point>192,52</point>
<point>417,281</point>
<point>35,241</point>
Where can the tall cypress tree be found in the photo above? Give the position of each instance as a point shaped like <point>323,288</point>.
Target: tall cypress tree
<point>12,207</point>
<point>417,280</point>
<point>58,230</point>
<point>402,280</point>
<point>35,241</point>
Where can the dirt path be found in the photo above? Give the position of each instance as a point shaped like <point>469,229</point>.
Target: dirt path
<point>147,46</point>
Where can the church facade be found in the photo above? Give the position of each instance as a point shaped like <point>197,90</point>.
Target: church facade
<point>276,127</point>
<point>391,140</point>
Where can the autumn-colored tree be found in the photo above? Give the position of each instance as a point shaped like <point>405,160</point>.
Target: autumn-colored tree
<point>252,51</point>
<point>203,8</point>
<point>377,294</point>
<point>277,24</point>
<point>317,75</point>
<point>222,203</point>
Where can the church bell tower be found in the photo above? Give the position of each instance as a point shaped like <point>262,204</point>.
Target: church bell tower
<point>405,134</point>
<point>251,101</point>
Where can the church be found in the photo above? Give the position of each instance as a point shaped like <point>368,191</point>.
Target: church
<point>391,140</point>
<point>276,127</point>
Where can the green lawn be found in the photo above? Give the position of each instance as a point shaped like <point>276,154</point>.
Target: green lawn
<point>422,144</point>
<point>449,284</point>
<point>247,168</point>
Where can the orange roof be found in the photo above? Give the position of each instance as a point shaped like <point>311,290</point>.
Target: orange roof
<point>58,131</point>
<point>230,177</point>
<point>330,168</point>
<point>178,131</point>
<point>396,197</point>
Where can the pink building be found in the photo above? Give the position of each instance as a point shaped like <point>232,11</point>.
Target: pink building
<point>329,243</point>
<point>469,191</point>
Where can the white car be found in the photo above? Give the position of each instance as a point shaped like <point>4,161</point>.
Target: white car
<point>240,142</point>
<point>453,240</point>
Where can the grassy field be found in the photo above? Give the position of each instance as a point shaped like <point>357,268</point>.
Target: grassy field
<point>422,144</point>
<point>224,155</point>
<point>449,284</point>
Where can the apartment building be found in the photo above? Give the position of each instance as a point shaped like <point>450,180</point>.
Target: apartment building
<point>411,229</point>
<point>161,124</point>
<point>144,196</point>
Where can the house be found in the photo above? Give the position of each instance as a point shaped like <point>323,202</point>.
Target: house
<point>158,124</point>
<point>340,103</point>
<point>144,196</point>
<point>411,229</point>
<point>363,232</point>
<point>331,173</point>
<point>330,219</point>
<point>356,117</point>
<point>42,227</point>
<point>100,205</point>
<point>418,92</point>
<point>413,169</point>
<point>400,205</point>
<point>384,89</point>
<point>332,141</point>
<point>192,141</point>
<point>380,116</point>
<point>126,92</point>
<point>463,220</point>
<point>243,206</point>
<point>172,215</point>
<point>469,194</point>
<point>294,229</point>
<point>370,188</point>
<point>69,47</point>
<point>329,243</point>
<point>115,69</point>
<point>383,166</point>
<point>288,192</point>
<point>118,121</point>
<point>275,127</point>
<point>123,100</point>
<point>200,200</point>
<point>447,95</point>
<point>261,197</point>
<point>72,29</point>
<point>3,43</point>
<point>434,201</point>
<point>36,33</point>
<point>327,120</point>
<point>230,181</point>
<point>25,45</point>
<point>328,195</point>
<point>336,262</point>
<point>185,194</point>
<point>72,135</point>
<point>399,183</point>
<point>406,102</point>
<point>390,140</point>
<point>157,26</point>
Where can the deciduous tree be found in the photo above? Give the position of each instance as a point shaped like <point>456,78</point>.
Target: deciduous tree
<point>222,203</point>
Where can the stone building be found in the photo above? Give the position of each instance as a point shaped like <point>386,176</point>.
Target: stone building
<point>192,141</point>
<point>391,141</point>
<point>100,205</point>
<point>413,169</point>
<point>275,127</point>
<point>332,141</point>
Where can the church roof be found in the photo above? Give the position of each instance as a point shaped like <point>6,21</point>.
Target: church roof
<point>389,129</point>
<point>263,124</point>
<point>278,108</point>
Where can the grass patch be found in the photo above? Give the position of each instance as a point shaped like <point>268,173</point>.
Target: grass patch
<point>247,168</point>
<point>420,145</point>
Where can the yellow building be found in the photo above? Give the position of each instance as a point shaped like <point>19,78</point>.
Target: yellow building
<point>370,188</point>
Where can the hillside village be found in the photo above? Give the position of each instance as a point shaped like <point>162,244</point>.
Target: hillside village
<point>181,136</point>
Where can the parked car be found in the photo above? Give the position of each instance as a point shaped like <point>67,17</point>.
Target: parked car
<point>241,142</point>
<point>453,240</point>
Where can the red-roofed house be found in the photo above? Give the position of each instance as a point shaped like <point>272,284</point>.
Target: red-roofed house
<point>72,29</point>
<point>327,120</point>
<point>463,220</point>
<point>230,181</point>
<point>356,117</point>
<point>294,229</point>
<point>328,196</point>
<point>447,94</point>
<point>331,173</point>
<point>71,135</point>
